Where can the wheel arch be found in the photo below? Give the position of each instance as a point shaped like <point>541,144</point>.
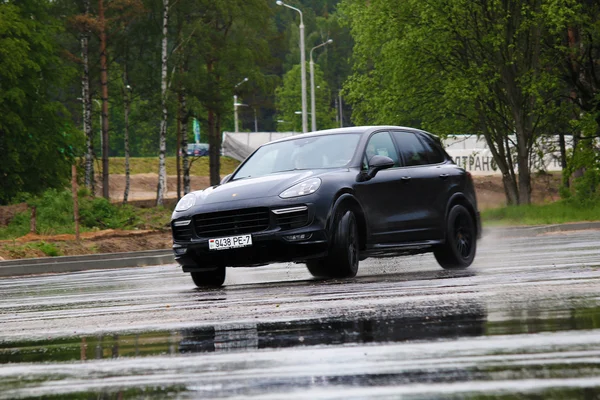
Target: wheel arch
<point>345,199</point>
<point>461,199</point>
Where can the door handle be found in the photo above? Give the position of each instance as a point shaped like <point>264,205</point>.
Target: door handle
<point>405,178</point>
<point>444,176</point>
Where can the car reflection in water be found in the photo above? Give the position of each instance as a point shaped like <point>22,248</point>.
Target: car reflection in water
<point>469,321</point>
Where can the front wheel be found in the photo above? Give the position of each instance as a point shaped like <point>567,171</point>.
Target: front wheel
<point>342,261</point>
<point>458,252</point>
<point>208,279</point>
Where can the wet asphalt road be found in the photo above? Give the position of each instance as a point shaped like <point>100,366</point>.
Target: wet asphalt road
<point>522,322</point>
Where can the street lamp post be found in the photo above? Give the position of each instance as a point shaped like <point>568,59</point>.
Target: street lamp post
<point>313,117</point>
<point>302,67</point>
<point>236,104</point>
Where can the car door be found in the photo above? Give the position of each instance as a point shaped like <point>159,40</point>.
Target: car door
<point>426,180</point>
<point>383,196</point>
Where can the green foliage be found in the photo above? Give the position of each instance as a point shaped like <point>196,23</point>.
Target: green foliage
<point>54,209</point>
<point>584,165</point>
<point>37,143</point>
<point>289,101</point>
<point>100,213</point>
<point>48,249</point>
<point>586,189</point>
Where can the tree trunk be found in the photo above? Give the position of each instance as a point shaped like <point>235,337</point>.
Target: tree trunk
<point>86,100</point>
<point>184,128</point>
<point>162,170</point>
<point>563,158</point>
<point>178,153</point>
<point>104,86</point>
<point>126,134</point>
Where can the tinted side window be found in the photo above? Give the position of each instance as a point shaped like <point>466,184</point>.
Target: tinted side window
<point>412,150</point>
<point>433,152</point>
<point>381,144</point>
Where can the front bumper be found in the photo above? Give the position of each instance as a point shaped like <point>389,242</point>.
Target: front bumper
<point>276,243</point>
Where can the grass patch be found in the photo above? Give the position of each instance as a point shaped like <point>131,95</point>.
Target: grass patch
<point>34,249</point>
<point>540,214</point>
<point>147,165</point>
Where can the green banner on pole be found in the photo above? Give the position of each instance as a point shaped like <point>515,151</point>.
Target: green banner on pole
<point>196,126</point>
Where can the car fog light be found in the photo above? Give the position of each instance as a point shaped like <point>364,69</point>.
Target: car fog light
<point>180,250</point>
<point>295,238</point>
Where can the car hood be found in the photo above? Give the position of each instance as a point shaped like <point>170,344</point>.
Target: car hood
<point>254,188</point>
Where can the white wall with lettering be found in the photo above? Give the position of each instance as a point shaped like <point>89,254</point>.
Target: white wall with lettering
<point>468,151</point>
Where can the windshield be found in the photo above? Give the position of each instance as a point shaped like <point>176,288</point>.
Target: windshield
<point>314,152</point>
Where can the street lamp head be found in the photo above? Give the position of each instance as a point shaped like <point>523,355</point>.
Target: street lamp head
<point>128,87</point>
<point>330,41</point>
<point>244,80</point>
<point>279,2</point>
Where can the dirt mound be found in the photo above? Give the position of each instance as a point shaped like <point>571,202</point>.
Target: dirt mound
<point>109,241</point>
<point>490,190</point>
<point>143,186</point>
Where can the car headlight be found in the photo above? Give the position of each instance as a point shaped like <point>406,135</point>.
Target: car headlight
<point>186,202</point>
<point>302,189</point>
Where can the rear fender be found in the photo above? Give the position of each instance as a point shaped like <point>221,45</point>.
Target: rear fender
<point>460,198</point>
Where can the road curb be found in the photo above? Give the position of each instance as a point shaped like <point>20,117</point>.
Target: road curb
<point>520,231</point>
<point>52,265</point>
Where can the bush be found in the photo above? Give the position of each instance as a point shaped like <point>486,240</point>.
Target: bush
<point>100,213</point>
<point>586,189</point>
<point>48,249</point>
<point>54,215</point>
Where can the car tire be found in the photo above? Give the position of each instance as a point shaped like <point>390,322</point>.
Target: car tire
<point>458,251</point>
<point>342,261</point>
<point>208,279</point>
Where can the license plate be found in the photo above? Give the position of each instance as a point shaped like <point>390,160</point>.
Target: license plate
<point>230,242</point>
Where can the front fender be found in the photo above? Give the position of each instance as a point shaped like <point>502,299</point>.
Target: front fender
<point>347,199</point>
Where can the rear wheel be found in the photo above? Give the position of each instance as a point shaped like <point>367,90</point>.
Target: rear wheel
<point>342,261</point>
<point>207,279</point>
<point>458,252</point>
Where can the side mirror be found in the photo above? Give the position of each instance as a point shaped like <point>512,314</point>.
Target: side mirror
<point>225,179</point>
<point>376,164</point>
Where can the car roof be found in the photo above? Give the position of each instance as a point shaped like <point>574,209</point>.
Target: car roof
<point>351,129</point>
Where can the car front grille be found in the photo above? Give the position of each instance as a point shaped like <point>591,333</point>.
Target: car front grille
<point>235,222</point>
<point>292,220</point>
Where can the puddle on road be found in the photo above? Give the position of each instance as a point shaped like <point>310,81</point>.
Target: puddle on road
<point>466,322</point>
<point>240,337</point>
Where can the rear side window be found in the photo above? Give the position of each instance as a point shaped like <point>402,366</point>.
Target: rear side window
<point>411,148</point>
<point>432,151</point>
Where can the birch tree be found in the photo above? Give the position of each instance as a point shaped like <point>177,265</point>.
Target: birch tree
<point>162,170</point>
<point>86,100</point>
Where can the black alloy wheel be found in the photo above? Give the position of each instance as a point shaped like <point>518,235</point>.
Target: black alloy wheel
<point>342,261</point>
<point>209,279</point>
<point>459,249</point>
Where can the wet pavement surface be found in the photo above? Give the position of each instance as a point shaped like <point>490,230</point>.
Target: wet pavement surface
<point>522,323</point>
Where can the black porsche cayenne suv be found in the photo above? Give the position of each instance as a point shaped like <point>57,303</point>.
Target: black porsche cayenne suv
<point>330,199</point>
